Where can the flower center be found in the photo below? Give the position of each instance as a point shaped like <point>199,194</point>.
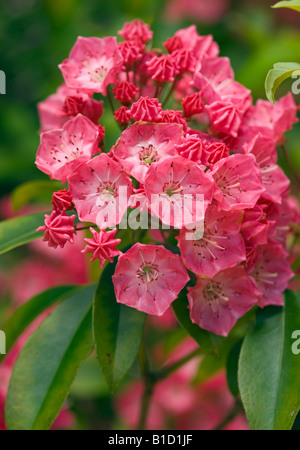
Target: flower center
<point>148,155</point>
<point>148,273</point>
<point>214,292</point>
<point>107,190</point>
<point>173,188</point>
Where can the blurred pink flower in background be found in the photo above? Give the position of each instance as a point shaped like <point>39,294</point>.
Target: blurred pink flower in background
<point>200,10</point>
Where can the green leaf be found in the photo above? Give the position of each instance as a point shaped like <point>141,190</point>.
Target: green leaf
<point>232,368</point>
<point>48,363</point>
<point>269,372</point>
<point>19,231</point>
<point>34,190</point>
<point>209,342</point>
<point>209,366</point>
<point>117,331</point>
<point>292,4</point>
<point>277,75</point>
<point>30,310</point>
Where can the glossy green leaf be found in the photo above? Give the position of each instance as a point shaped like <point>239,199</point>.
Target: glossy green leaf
<point>48,363</point>
<point>29,311</point>
<point>19,231</point>
<point>277,75</point>
<point>34,190</point>
<point>292,4</point>
<point>269,371</point>
<point>117,331</point>
<point>209,342</point>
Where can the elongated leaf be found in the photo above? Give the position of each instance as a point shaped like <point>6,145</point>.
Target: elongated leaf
<point>29,311</point>
<point>277,75</point>
<point>209,342</point>
<point>117,331</point>
<point>34,190</point>
<point>269,372</point>
<point>48,363</point>
<point>292,4</point>
<point>19,231</point>
<point>232,368</point>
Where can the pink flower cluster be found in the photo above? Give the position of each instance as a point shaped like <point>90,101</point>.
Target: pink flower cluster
<point>186,128</point>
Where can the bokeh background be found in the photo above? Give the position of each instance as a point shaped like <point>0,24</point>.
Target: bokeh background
<point>35,36</point>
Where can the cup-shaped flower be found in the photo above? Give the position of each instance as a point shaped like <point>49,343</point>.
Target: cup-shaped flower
<point>149,278</point>
<point>62,151</point>
<point>100,190</point>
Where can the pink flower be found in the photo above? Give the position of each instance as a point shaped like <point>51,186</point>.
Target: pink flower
<point>146,109</point>
<point>274,180</point>
<point>183,60</point>
<point>192,104</point>
<point>178,191</point>
<point>149,278</point>
<point>102,246</point>
<point>213,76</point>
<point>272,273</point>
<point>62,151</point>
<point>142,144</point>
<point>171,116</point>
<point>100,190</point>
<point>139,200</point>
<point>192,147</point>
<point>66,103</point>
<point>270,120</point>
<point>202,47</point>
<point>220,247</point>
<point>215,151</point>
<point>125,91</point>
<point>123,114</point>
<point>136,30</point>
<point>224,117</point>
<point>162,68</point>
<point>217,303</point>
<point>172,44</point>
<point>58,228</point>
<point>92,64</point>
<point>131,52</point>
<point>238,182</point>
<point>61,200</point>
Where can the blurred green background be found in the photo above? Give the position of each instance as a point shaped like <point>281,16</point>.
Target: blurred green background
<point>36,35</point>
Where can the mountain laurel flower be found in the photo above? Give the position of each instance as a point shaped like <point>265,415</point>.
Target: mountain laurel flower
<point>62,151</point>
<point>217,303</point>
<point>143,144</point>
<point>136,30</point>
<point>192,104</point>
<point>102,246</point>
<point>146,110</point>
<point>149,278</point>
<point>61,200</point>
<point>125,91</point>
<point>221,190</point>
<point>162,68</point>
<point>123,114</point>
<point>100,190</point>
<point>131,52</point>
<point>93,64</point>
<point>178,191</point>
<point>58,229</point>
